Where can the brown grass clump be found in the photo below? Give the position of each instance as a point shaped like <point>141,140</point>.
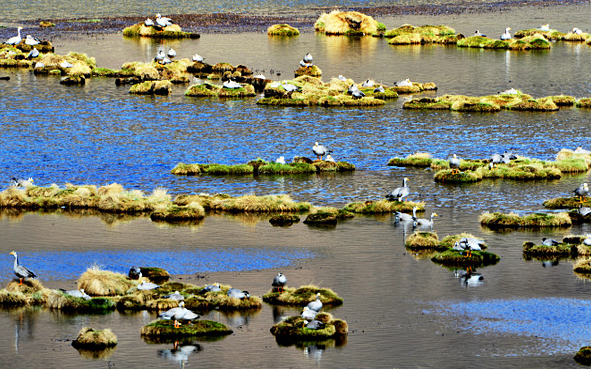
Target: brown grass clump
<point>29,286</point>
<point>99,282</point>
<point>422,240</point>
<point>346,23</point>
<point>583,266</point>
<point>260,204</point>
<point>383,206</point>
<point>166,329</point>
<point>302,295</point>
<point>90,338</point>
<point>12,299</point>
<point>536,220</point>
<point>282,30</point>
<point>293,328</point>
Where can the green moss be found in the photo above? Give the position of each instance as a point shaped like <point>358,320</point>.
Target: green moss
<point>567,203</point>
<point>532,250</point>
<point>421,160</point>
<point>198,328</point>
<point>383,206</point>
<point>282,30</point>
<point>302,295</point>
<point>461,259</point>
<point>422,240</point>
<point>293,328</point>
<point>450,176</point>
<point>537,220</point>
<point>281,220</point>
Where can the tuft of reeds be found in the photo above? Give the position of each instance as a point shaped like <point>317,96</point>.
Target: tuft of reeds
<point>97,282</point>
<point>260,204</point>
<point>349,23</point>
<point>530,249</point>
<point>293,328</point>
<point>422,241</point>
<point>93,339</point>
<point>302,295</point>
<point>60,301</point>
<point>566,203</point>
<point>170,32</point>
<point>419,159</point>
<point>220,300</point>
<point>197,328</point>
<point>282,30</point>
<point>174,213</point>
<point>498,220</point>
<point>383,206</point>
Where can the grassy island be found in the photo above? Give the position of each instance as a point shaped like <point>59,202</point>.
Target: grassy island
<point>302,295</point>
<point>172,31</point>
<point>294,328</point>
<point>199,328</point>
<point>349,23</point>
<point>498,220</point>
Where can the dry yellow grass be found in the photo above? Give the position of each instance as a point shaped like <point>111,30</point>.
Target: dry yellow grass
<point>97,282</point>
<point>91,338</point>
<point>341,23</point>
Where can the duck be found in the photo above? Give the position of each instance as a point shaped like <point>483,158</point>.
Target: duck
<point>232,85</point>
<point>320,151</point>
<point>399,193</point>
<point>159,56</point>
<point>30,40</point>
<point>304,64</point>
<point>23,182</point>
<point>20,270</point>
<point>511,91</point>
<point>549,242</point>
<point>580,150</point>
<point>197,58</point>
<point>506,35</point>
<point>260,76</point>
<point>405,83</point>
<point>308,313</point>
<point>379,89</point>
<point>307,61</point>
<point>403,217</point>
<point>454,164</point>
<point>174,296</point>
<point>280,160</point>
<point>279,282</point>
<point>77,293</point>
<point>147,286</point>
<point>171,53</point>
<point>329,158</point>
<point>163,21</point>
<point>16,39</point>
<point>148,22</point>
<point>358,94</point>
<point>66,64</point>
<point>315,305</point>
<point>545,27</point>
<point>587,240</point>
<point>367,83</point>
<point>420,222</point>
<point>477,33</point>
<point>582,191</point>
<point>576,31</point>
<point>234,292</point>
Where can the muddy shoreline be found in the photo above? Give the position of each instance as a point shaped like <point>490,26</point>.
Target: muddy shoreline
<point>237,23</point>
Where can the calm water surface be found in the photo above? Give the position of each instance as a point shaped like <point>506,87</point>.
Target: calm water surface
<point>402,310</point>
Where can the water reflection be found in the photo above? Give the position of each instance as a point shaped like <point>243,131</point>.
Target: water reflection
<point>180,352</point>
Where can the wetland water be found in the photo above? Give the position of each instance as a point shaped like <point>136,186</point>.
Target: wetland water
<point>402,310</point>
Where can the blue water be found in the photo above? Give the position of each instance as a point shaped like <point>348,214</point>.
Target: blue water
<point>69,265</point>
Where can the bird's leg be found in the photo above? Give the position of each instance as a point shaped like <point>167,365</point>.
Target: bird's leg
<point>21,282</point>
<point>177,324</point>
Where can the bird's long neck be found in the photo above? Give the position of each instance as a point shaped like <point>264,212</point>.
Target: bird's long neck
<point>15,260</point>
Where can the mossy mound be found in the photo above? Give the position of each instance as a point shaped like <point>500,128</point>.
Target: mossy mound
<point>197,328</point>
<point>155,274</point>
<point>551,35</point>
<point>209,90</point>
<point>583,266</point>
<point>29,286</point>
<point>61,301</point>
<point>452,176</point>
<point>245,204</point>
<point>175,72</point>
<point>408,34</point>
<point>97,282</point>
<point>449,241</point>
<point>173,31</point>
<point>94,339</point>
<point>43,46</point>
<point>583,356</point>
<point>530,249</point>
<point>349,23</point>
<point>152,88</point>
<point>302,295</point>
<point>419,159</point>
<point>383,206</point>
<point>422,241</point>
<point>203,301</point>
<point>461,259</point>
<point>284,220</point>
<point>498,220</point>
<point>30,293</point>
<point>175,213</point>
<point>533,42</point>
<point>260,166</point>
<point>282,30</point>
<point>312,71</point>
<point>293,328</point>
<point>567,203</point>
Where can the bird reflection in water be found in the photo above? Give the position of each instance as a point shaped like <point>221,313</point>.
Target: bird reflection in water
<point>179,352</point>
<point>549,263</point>
<point>469,278</point>
<point>279,313</point>
<point>314,351</point>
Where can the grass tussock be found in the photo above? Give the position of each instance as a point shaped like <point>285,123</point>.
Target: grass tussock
<point>282,30</point>
<point>346,23</point>
<point>383,206</point>
<point>97,282</point>
<point>530,249</point>
<point>198,328</point>
<point>302,295</point>
<point>567,203</point>
<point>422,240</point>
<point>583,266</point>
<point>293,328</point>
<point>260,204</point>
<point>498,220</point>
<point>90,338</point>
<point>60,301</point>
<point>419,159</point>
<point>410,35</point>
<point>457,258</point>
<point>170,32</point>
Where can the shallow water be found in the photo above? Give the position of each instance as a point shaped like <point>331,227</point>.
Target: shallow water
<point>401,308</point>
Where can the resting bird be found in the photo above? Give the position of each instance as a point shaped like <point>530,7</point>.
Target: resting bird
<point>580,150</point>
<point>471,279</point>
<point>314,324</point>
<point>148,22</point>
<point>33,54</point>
<point>468,244</point>
<point>171,53</point>
<point>352,89</point>
<point>232,85</point>
<point>424,222</point>
<point>21,271</point>
<point>279,282</point>
<point>545,27</point>
<point>163,21</point>
<point>584,210</point>
<point>308,313</point>
<point>174,296</point>
<point>179,313</point>
<point>315,305</point>
<point>379,89</point>
<point>477,33</point>
<point>454,164</point>
<point>587,240</point>
<point>329,158</point>
<point>66,64</point>
<point>367,83</point>
<point>30,40</point>
<point>358,94</point>
<point>506,35</point>
<point>307,61</point>
<point>234,292</point>
<point>147,286</point>
<point>577,31</point>
<point>582,191</point>
<point>405,83</point>
<point>320,151</point>
<point>290,87</point>
<point>399,193</point>
<point>22,182</point>
<point>280,160</point>
<point>197,58</point>
<point>212,288</point>
<point>342,78</point>
<point>77,293</point>
<point>16,39</point>
<point>549,242</point>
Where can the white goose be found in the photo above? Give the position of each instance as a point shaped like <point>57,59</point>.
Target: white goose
<point>16,39</point>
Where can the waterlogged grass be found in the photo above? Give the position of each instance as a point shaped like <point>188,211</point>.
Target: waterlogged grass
<point>461,259</point>
<point>302,295</point>
<point>498,220</point>
<point>96,339</point>
<point>419,159</point>
<point>282,30</point>
<point>422,241</point>
<point>260,166</point>
<point>383,206</point>
<point>198,328</point>
<point>170,32</point>
<point>293,328</point>
<point>530,249</point>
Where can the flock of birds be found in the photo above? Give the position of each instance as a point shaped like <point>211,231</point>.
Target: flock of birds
<point>544,27</point>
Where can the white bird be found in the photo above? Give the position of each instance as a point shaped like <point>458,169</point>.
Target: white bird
<point>159,56</point>
<point>16,39</point>
<point>308,58</point>
<point>379,89</point>
<point>545,27</point>
<point>148,22</point>
<point>260,76</point>
<point>506,35</point>
<point>147,286</point>
<point>280,160</point>
<point>577,31</point>
<point>179,313</point>
<point>30,40</point>
<point>234,292</point>
<point>232,85</point>
<point>174,296</point>
<point>329,158</point>
<point>367,83</point>
<point>66,64</point>
<point>454,164</point>
<point>171,53</point>
<point>358,94</point>
<point>582,191</point>
<point>584,210</point>
<point>314,324</point>
<point>163,21</point>
<point>22,182</point>
<point>308,313</point>
<point>403,217</point>
<point>290,87</point>
<point>399,193</point>
<point>587,240</point>
<point>477,33</point>
<point>215,287</point>
<point>352,89</point>
<point>20,270</point>
<point>580,150</point>
<point>279,282</point>
<point>39,65</point>
<point>197,58</point>
<point>511,91</point>
<point>468,244</point>
<point>33,53</point>
<point>305,65</point>
<point>76,293</point>
<point>405,83</point>
<point>549,242</point>
<point>315,305</point>
<point>420,223</point>
<point>320,151</point>
<point>342,78</point>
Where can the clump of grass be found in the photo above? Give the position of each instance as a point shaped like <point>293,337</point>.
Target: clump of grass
<point>29,286</point>
<point>169,32</point>
<point>449,241</point>
<point>138,300</point>
<point>152,88</point>
<point>198,328</point>
<point>419,159</point>
<point>450,176</point>
<point>302,295</point>
<point>60,301</point>
<point>46,24</point>
<point>498,220</point>
<point>583,266</point>
<point>175,213</point>
<point>422,240</point>
<point>90,338</point>
<point>583,356</point>
<point>186,169</point>
<point>293,328</point>
<point>346,23</point>
<point>458,258</point>
<point>313,71</point>
<point>99,282</point>
<point>201,300</point>
<point>260,204</point>
<point>383,206</point>
<point>530,249</point>
<point>282,220</point>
